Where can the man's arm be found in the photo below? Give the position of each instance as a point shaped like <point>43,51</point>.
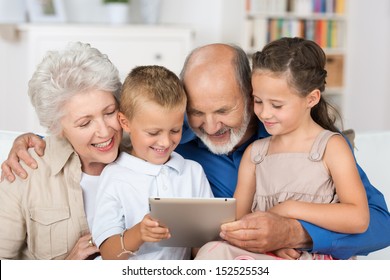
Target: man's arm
<point>263,231</point>
<point>343,246</point>
<point>19,152</point>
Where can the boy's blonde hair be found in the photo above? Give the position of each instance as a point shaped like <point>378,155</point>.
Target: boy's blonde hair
<point>151,83</point>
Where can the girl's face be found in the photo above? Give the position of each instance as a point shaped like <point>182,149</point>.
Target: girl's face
<point>277,105</point>
<point>91,125</point>
<point>154,131</point>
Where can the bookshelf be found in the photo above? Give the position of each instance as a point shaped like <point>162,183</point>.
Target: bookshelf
<point>323,21</point>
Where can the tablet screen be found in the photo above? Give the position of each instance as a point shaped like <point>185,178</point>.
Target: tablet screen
<point>192,222</point>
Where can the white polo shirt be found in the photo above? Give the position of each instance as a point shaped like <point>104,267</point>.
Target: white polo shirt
<point>123,197</point>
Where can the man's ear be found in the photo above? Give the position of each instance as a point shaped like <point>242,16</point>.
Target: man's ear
<point>124,122</point>
<point>313,98</point>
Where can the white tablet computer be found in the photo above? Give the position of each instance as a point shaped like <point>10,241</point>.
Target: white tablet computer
<point>192,222</point>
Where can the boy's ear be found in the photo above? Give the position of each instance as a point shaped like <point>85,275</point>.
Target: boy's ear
<point>313,98</point>
<point>123,121</point>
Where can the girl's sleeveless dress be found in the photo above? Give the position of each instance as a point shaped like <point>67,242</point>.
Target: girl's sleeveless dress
<point>281,177</point>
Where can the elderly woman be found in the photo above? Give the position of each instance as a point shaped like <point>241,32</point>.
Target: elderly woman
<point>48,215</point>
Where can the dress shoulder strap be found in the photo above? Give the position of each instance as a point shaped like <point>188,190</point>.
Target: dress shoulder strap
<point>319,145</point>
<point>259,149</point>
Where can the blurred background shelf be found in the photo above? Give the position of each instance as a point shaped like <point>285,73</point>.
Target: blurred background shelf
<point>127,46</point>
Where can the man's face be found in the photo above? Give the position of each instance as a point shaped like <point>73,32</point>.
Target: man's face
<point>216,109</point>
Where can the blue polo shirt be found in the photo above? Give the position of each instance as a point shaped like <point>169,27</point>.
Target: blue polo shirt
<point>222,171</point>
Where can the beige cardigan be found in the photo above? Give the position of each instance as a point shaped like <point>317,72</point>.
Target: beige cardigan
<point>42,217</point>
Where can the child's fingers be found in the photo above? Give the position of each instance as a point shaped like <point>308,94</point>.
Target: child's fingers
<point>152,231</point>
<point>155,237</point>
<point>149,221</point>
<point>154,234</point>
<point>157,232</point>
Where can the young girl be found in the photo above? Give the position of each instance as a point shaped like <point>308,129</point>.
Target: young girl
<point>305,170</point>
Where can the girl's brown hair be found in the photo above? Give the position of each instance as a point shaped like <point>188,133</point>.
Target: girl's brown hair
<point>303,63</point>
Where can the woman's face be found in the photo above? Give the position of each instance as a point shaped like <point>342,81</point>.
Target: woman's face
<point>90,124</point>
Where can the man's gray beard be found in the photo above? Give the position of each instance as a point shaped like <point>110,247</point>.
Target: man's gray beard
<point>235,138</point>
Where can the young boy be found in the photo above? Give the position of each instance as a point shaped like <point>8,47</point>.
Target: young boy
<point>153,104</point>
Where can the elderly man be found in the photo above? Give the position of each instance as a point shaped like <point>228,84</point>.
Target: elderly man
<point>220,114</point>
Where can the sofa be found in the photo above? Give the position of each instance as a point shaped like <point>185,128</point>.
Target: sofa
<point>372,152</point>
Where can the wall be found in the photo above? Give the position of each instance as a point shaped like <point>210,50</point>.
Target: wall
<point>368,73</point>
<point>204,16</point>
<point>12,11</point>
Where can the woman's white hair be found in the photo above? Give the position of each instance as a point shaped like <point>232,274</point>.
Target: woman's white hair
<point>62,74</point>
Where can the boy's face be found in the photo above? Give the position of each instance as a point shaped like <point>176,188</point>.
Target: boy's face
<point>154,131</point>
